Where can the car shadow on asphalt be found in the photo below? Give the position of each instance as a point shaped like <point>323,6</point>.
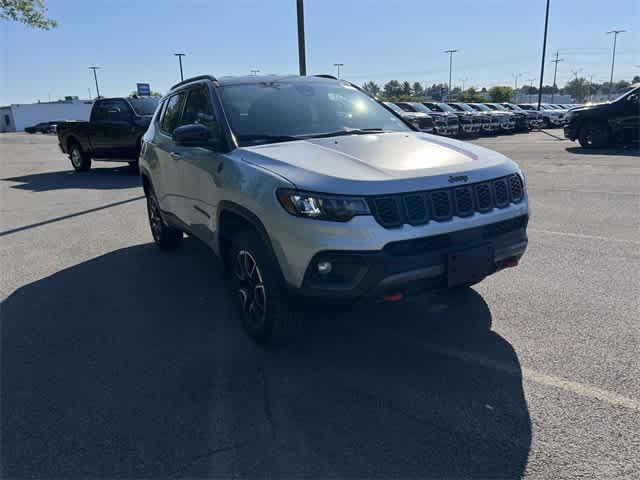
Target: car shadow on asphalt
<point>626,151</point>
<point>133,364</point>
<point>110,178</point>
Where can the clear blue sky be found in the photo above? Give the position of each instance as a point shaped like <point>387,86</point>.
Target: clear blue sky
<point>376,40</point>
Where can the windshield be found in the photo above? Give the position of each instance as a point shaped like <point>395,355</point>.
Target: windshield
<point>491,106</point>
<point>481,107</point>
<point>514,107</point>
<point>628,92</point>
<point>261,112</point>
<point>463,107</point>
<point>445,108</point>
<point>421,108</point>
<point>144,105</point>
<point>394,107</point>
<point>499,107</point>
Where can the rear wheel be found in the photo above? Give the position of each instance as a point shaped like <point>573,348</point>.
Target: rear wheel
<point>268,312</point>
<point>80,161</point>
<point>167,238</point>
<point>594,135</point>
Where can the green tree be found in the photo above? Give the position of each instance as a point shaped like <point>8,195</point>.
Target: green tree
<point>500,94</point>
<point>371,88</point>
<point>32,13</point>
<point>405,88</point>
<point>636,79</point>
<point>392,88</point>
<point>578,88</point>
<point>418,91</point>
<point>470,95</point>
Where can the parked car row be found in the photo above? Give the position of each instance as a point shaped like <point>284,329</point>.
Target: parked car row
<point>460,119</point>
<point>42,127</point>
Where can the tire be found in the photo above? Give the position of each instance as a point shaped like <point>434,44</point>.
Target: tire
<point>269,314</point>
<point>80,161</point>
<point>594,135</point>
<point>167,238</point>
<point>546,123</point>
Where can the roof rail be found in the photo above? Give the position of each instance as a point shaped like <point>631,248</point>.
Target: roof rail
<point>326,75</point>
<point>193,79</point>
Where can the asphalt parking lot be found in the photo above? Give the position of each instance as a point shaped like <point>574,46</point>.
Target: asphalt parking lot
<point>122,361</point>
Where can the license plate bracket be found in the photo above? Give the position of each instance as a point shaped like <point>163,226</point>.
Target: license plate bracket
<point>469,266</point>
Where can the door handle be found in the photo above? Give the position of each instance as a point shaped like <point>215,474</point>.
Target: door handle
<point>175,155</point>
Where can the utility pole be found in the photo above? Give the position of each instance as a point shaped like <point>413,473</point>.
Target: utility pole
<point>254,72</point>
<point>555,72</point>
<point>338,65</point>
<point>302,57</point>
<point>544,53</point>
<point>531,80</point>
<point>180,55</point>
<point>613,58</point>
<point>450,52</point>
<point>578,86</point>
<point>95,77</point>
<point>590,88</point>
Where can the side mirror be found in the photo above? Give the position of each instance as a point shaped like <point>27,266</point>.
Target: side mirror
<point>194,135</point>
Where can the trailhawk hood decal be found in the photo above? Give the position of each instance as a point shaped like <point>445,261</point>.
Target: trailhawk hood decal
<point>377,163</point>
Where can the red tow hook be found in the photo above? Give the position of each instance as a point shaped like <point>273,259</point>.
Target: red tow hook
<point>510,262</point>
<point>392,297</point>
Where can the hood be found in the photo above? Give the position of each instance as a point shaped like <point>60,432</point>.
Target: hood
<point>377,163</point>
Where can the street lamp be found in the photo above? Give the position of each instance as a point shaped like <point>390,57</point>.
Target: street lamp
<point>180,55</point>
<point>463,80</point>
<point>95,77</point>
<point>450,52</point>
<point>515,86</point>
<point>531,80</point>
<point>613,58</point>
<point>254,72</point>
<point>338,65</point>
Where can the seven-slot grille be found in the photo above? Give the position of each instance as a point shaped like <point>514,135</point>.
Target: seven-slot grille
<point>418,208</point>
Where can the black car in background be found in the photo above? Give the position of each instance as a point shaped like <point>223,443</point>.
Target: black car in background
<point>604,124</point>
<point>42,127</point>
<point>113,133</point>
<point>444,123</point>
<point>470,124</point>
<point>421,121</point>
<point>533,116</point>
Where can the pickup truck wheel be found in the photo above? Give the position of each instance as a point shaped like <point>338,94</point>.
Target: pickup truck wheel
<point>79,160</point>
<point>269,314</point>
<point>594,135</point>
<point>167,238</point>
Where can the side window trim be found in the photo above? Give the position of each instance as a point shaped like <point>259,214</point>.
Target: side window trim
<point>166,105</point>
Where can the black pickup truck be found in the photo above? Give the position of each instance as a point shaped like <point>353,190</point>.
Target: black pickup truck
<point>113,132</point>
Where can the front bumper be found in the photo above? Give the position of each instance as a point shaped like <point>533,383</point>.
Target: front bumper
<point>446,129</point>
<point>412,266</point>
<point>470,127</point>
<point>571,131</point>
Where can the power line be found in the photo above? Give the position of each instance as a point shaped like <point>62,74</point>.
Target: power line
<point>555,72</point>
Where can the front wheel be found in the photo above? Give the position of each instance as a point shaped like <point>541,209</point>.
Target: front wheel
<point>167,238</point>
<point>268,312</point>
<point>594,135</point>
<point>80,161</point>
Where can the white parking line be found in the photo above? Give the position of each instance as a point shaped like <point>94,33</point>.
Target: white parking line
<point>581,235</point>
<point>527,374</point>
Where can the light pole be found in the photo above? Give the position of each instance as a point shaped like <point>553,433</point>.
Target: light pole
<point>515,84</point>
<point>180,55</point>
<point>338,65</point>
<point>450,52</point>
<point>254,72</point>
<point>463,80</point>
<point>613,58</point>
<point>544,53</point>
<point>302,56</point>
<point>95,77</point>
<point>555,72</point>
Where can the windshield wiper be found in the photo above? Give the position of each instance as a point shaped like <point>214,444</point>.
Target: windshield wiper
<point>341,133</point>
<point>266,138</point>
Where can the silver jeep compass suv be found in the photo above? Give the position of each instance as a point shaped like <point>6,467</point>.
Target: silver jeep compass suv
<point>308,187</point>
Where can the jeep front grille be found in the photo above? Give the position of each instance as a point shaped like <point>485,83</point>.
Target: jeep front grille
<point>418,208</point>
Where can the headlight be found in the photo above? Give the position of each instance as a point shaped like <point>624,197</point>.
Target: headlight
<point>335,208</point>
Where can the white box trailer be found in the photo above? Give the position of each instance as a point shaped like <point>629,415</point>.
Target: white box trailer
<point>16,117</point>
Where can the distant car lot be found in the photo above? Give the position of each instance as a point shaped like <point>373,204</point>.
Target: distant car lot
<point>118,360</point>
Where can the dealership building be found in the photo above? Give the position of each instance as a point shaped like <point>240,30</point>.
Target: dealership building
<point>16,117</point>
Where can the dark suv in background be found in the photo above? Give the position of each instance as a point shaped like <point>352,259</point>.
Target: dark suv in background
<point>470,124</point>
<point>606,123</point>
<point>444,123</point>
